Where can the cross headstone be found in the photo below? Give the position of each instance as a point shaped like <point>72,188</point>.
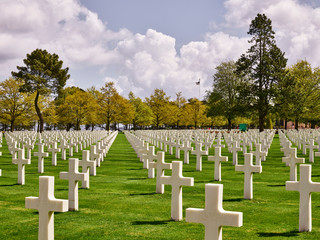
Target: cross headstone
<point>46,204</point>
<point>148,157</point>
<point>304,145</point>
<point>176,181</point>
<point>54,150</point>
<point>235,149</point>
<point>292,161</point>
<point>160,166</point>
<point>73,176</point>
<point>186,148</point>
<point>311,147</point>
<point>94,156</point>
<point>63,147</point>
<point>217,158</point>
<point>213,216</point>
<point>258,153</point>
<point>21,161</point>
<point>199,152</point>
<point>28,146</point>
<point>305,187</point>
<point>248,168</point>
<point>87,167</point>
<point>41,154</point>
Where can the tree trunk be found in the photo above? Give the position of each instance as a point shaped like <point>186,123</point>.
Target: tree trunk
<point>108,124</point>
<point>286,124</point>
<point>12,125</point>
<point>261,122</point>
<point>229,124</point>
<point>41,122</point>
<point>296,124</point>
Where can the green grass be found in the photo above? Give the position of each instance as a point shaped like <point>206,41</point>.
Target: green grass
<point>121,202</point>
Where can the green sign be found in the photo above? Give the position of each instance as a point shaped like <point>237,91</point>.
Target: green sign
<point>243,127</point>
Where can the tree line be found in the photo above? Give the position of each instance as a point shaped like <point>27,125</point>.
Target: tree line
<point>258,89</point>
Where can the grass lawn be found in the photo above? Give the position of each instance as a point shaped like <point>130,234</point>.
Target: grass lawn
<point>122,204</point>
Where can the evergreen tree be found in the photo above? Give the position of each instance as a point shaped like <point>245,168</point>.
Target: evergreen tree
<point>263,66</point>
<point>43,75</point>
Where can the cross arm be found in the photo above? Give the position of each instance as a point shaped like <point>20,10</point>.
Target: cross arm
<point>233,219</point>
<point>32,202</point>
<point>292,186</point>
<point>59,205</point>
<point>196,215</point>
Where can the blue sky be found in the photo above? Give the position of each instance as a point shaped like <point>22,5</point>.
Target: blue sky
<point>185,20</point>
<point>146,44</point>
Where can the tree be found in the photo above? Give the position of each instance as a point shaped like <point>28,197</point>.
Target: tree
<point>142,112</point>
<point>180,103</point>
<point>263,65</point>
<point>196,112</point>
<point>43,74</point>
<point>108,102</point>
<point>14,104</point>
<point>77,107</point>
<point>304,91</point>
<point>158,102</point>
<point>222,100</point>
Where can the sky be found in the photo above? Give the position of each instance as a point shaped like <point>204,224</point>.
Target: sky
<point>141,45</point>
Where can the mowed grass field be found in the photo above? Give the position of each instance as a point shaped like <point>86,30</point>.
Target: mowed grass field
<point>122,204</point>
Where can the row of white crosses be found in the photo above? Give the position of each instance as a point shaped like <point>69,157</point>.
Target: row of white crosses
<point>305,186</point>
<point>248,168</point>
<point>213,216</point>
<point>47,204</point>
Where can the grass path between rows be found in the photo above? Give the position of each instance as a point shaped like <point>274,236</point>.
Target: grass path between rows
<point>122,204</point>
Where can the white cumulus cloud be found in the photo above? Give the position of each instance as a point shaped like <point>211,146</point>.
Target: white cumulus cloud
<point>141,62</point>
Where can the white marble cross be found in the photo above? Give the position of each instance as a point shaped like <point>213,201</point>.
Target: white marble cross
<point>186,148</point>
<point>248,168</point>
<point>41,154</point>
<point>21,161</point>
<point>148,157</point>
<point>63,147</point>
<point>213,216</point>
<point>177,181</point>
<point>87,166</point>
<point>292,161</point>
<point>73,176</point>
<point>46,204</point>
<point>235,149</point>
<point>305,187</point>
<point>258,153</point>
<point>199,152</point>
<point>94,156</point>
<point>54,150</point>
<point>217,158</point>
<point>71,144</point>
<point>304,145</point>
<point>28,146</point>
<point>177,145</point>
<point>311,147</point>
<point>160,165</point>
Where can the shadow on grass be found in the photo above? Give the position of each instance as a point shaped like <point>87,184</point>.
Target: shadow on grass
<point>284,234</point>
<point>315,175</point>
<point>151,222</point>
<point>10,185</point>
<point>233,200</point>
<point>136,178</point>
<point>208,181</point>
<point>135,169</point>
<point>279,185</point>
<point>142,194</point>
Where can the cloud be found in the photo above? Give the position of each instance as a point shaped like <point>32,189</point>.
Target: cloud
<point>297,25</point>
<point>144,61</point>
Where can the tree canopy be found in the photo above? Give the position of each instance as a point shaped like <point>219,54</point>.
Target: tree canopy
<point>42,74</point>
